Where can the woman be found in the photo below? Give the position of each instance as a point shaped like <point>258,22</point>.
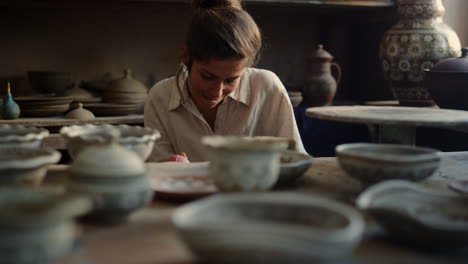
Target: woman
<point>216,91</point>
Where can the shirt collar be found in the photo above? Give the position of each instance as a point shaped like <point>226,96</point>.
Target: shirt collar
<point>180,93</point>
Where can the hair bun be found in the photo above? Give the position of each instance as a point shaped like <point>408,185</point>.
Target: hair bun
<point>208,4</point>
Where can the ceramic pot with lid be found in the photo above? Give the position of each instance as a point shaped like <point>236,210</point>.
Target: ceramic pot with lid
<point>447,82</point>
<point>125,90</point>
<point>320,85</point>
<point>116,179</point>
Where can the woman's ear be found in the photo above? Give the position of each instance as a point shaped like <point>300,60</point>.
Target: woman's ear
<point>184,55</point>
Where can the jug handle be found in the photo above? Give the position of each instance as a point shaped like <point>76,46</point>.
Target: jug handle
<point>338,72</point>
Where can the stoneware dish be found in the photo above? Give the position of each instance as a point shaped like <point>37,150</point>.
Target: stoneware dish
<point>244,163</point>
<point>371,163</point>
<point>269,228</point>
<point>20,136</point>
<point>136,138</point>
<point>295,98</point>
<point>293,165</point>
<point>36,224</point>
<point>115,178</point>
<point>417,214</point>
<point>25,165</point>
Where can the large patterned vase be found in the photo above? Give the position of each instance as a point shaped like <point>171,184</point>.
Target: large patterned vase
<point>418,41</point>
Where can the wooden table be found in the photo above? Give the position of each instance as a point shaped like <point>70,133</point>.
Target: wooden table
<point>149,236</point>
<point>393,124</point>
<point>53,124</point>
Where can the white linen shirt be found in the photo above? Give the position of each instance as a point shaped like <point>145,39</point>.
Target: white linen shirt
<point>259,106</point>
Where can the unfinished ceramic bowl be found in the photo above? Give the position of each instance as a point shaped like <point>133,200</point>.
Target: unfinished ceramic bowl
<point>244,163</point>
<point>269,228</point>
<point>417,214</point>
<point>371,163</point>
<point>25,165</point>
<point>36,224</point>
<point>136,138</point>
<point>21,136</point>
<point>293,164</point>
<point>115,178</point>
<point>80,113</point>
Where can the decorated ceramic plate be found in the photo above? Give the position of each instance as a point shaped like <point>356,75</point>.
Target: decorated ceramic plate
<point>178,181</point>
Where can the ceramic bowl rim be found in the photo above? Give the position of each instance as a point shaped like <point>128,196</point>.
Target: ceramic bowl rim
<point>32,133</point>
<point>80,131</point>
<point>183,216</point>
<point>417,154</point>
<point>242,143</point>
<point>43,156</point>
<point>305,159</point>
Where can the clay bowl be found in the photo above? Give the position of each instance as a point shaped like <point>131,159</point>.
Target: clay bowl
<point>295,98</point>
<point>25,165</point>
<point>448,89</point>
<point>418,215</point>
<point>36,224</point>
<point>20,136</point>
<point>269,228</point>
<point>49,82</point>
<point>244,163</point>
<point>371,163</point>
<point>136,138</point>
<point>293,165</point>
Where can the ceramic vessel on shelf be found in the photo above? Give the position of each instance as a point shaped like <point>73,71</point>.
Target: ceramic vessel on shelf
<point>419,40</point>
<point>10,109</point>
<point>49,82</point>
<point>25,165</point>
<point>78,94</point>
<point>125,90</point>
<point>293,165</point>
<point>80,113</point>
<point>21,136</point>
<point>295,97</point>
<point>36,224</point>
<point>269,228</point>
<point>136,138</point>
<point>244,163</point>
<point>418,215</point>
<point>320,85</point>
<point>447,82</point>
<point>371,163</point>
<point>115,177</point>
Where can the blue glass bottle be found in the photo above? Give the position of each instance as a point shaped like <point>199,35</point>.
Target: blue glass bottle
<point>10,109</point>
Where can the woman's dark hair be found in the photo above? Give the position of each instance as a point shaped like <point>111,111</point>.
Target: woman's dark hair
<point>221,29</point>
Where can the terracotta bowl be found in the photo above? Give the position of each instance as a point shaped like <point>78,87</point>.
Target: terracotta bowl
<point>371,163</point>
<point>448,89</point>
<point>269,228</point>
<point>136,138</point>
<point>20,136</point>
<point>25,165</point>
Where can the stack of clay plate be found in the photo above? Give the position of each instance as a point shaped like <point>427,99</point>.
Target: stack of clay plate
<point>125,90</point>
<point>108,109</point>
<point>37,106</point>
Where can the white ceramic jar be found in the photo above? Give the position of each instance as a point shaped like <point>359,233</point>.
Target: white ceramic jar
<point>244,163</point>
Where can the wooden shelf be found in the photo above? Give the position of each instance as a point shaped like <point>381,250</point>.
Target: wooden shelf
<point>61,121</point>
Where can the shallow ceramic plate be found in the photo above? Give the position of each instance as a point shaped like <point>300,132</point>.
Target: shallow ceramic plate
<point>460,186</point>
<point>179,181</point>
<point>417,214</point>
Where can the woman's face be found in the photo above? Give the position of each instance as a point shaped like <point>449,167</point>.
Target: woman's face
<point>211,81</point>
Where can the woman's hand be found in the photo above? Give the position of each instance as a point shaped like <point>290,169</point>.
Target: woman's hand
<point>182,157</point>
